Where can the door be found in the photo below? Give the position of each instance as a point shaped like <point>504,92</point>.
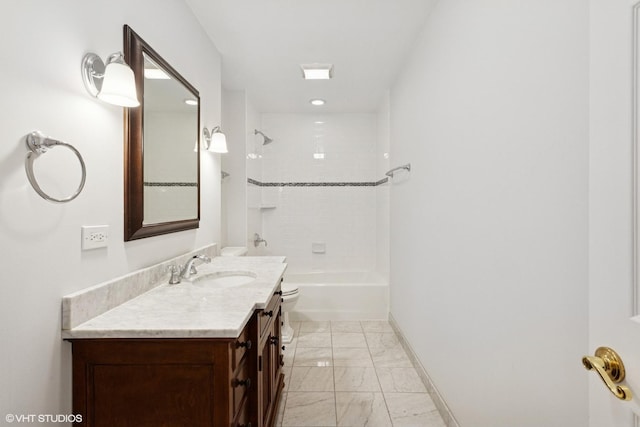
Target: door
<point>614,286</point>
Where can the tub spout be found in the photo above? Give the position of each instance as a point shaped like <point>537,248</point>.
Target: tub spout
<point>257,240</point>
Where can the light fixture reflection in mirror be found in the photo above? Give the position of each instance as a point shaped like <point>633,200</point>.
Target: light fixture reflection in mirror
<point>113,83</point>
<point>215,141</point>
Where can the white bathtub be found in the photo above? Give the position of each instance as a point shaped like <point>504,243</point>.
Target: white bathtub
<point>350,295</point>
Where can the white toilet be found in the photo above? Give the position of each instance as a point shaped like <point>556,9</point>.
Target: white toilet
<point>289,294</point>
<point>289,299</point>
<point>233,251</point>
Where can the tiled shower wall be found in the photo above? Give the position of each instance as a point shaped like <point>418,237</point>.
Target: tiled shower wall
<point>319,186</point>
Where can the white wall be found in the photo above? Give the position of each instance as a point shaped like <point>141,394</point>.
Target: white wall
<point>343,218</point>
<point>383,191</point>
<point>234,187</point>
<point>42,45</point>
<point>489,233</point>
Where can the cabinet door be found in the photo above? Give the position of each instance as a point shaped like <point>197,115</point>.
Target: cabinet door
<point>276,356</point>
<point>269,363</point>
<point>266,380</point>
<point>151,382</point>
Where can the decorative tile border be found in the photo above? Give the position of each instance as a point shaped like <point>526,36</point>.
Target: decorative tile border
<point>443,409</point>
<point>317,184</point>
<point>88,303</point>
<point>170,184</point>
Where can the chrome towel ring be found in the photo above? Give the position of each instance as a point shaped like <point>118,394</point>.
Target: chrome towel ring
<point>39,144</point>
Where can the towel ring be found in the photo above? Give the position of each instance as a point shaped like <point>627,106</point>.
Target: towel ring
<point>39,144</point>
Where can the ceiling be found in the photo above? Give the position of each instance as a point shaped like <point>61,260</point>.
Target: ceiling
<point>263,43</point>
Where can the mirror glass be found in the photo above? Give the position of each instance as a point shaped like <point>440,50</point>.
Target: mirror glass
<point>170,148</point>
<point>162,178</point>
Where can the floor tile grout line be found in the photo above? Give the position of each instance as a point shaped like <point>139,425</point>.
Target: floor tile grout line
<point>335,396</point>
<point>386,405</point>
<point>333,372</point>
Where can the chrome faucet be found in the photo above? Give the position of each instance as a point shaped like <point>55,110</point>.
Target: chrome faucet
<point>257,240</point>
<point>190,268</point>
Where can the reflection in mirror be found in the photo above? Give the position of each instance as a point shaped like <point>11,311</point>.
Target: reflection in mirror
<point>162,176</point>
<point>170,148</point>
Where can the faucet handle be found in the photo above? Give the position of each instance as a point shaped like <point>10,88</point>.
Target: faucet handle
<point>175,274</point>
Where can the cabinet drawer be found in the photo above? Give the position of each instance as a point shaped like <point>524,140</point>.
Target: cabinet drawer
<point>266,316</point>
<point>241,384</point>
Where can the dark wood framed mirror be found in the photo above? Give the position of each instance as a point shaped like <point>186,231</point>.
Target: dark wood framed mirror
<point>162,147</point>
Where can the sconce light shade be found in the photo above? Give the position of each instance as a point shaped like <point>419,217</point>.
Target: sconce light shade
<point>218,143</point>
<point>114,84</point>
<point>216,140</point>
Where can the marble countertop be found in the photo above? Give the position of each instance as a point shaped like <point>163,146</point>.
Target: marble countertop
<point>186,310</point>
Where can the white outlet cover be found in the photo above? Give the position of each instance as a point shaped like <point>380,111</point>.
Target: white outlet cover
<point>94,236</point>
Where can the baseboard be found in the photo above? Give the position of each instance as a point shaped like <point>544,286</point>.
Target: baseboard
<point>324,315</point>
<point>443,409</point>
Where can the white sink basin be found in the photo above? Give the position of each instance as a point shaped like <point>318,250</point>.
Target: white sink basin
<point>224,279</point>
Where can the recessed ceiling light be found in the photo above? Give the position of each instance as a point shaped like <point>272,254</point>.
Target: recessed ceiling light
<point>191,102</point>
<point>317,71</point>
<point>317,102</point>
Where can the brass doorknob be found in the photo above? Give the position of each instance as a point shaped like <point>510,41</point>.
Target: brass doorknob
<point>608,364</point>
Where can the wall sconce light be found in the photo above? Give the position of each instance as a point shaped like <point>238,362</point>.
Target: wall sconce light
<point>215,140</point>
<point>113,83</point>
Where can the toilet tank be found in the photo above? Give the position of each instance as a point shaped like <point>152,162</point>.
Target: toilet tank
<point>233,251</point>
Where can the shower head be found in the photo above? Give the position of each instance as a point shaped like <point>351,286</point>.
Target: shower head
<point>267,140</point>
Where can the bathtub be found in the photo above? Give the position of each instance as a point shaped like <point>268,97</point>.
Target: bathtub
<point>350,295</point>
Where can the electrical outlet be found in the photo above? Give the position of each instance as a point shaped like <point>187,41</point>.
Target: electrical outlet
<point>94,236</point>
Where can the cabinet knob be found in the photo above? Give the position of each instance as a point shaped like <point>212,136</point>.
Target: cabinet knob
<point>283,349</point>
<point>268,313</point>
<point>246,344</point>
<point>278,293</point>
<point>274,340</point>
<point>246,383</point>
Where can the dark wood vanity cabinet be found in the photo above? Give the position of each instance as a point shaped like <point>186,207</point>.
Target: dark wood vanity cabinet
<point>182,381</point>
<point>270,376</point>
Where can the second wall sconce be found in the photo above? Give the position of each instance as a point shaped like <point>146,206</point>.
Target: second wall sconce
<point>215,140</point>
<point>113,83</point>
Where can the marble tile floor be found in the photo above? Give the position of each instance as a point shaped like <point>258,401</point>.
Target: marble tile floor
<point>350,373</point>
